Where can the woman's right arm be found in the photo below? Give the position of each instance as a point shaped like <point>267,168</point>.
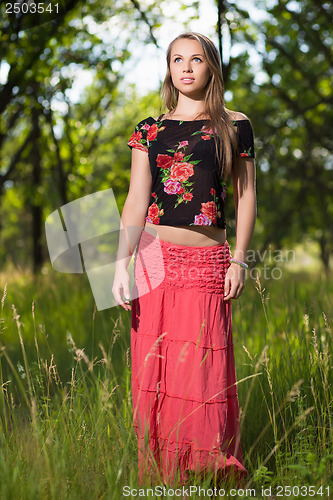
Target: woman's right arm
<point>132,221</point>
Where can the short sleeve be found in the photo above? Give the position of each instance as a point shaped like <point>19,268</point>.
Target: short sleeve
<point>143,133</point>
<point>245,139</point>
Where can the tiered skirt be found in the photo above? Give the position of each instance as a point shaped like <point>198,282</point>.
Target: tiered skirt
<point>184,392</point>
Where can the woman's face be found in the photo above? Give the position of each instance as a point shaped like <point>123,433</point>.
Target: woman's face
<point>188,67</point>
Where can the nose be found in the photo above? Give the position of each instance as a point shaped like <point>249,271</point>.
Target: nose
<point>187,68</point>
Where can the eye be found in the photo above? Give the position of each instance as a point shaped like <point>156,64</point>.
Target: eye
<point>197,59</point>
<point>177,59</point>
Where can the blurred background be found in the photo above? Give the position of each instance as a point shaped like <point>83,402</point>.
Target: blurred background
<point>76,80</point>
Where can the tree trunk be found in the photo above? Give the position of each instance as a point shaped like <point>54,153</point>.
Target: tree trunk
<point>221,10</point>
<point>62,178</point>
<point>325,253</point>
<point>36,206</point>
<point>1,218</point>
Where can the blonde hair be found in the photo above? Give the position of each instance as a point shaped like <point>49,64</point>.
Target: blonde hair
<point>220,121</point>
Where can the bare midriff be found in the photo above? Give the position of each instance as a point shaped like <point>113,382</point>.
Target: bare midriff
<point>193,236</point>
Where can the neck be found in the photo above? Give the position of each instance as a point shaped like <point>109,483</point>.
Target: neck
<point>188,107</point>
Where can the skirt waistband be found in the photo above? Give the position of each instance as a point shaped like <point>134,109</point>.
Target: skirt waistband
<point>148,238</point>
<point>169,265</point>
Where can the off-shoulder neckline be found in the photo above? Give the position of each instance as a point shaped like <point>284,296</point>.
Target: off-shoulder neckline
<point>192,121</point>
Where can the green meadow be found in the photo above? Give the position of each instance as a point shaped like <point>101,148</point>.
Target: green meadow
<point>65,401</point>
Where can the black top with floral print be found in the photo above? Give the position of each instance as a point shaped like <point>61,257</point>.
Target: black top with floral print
<point>186,188</point>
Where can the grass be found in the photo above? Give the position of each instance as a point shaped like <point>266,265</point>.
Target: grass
<point>65,399</point>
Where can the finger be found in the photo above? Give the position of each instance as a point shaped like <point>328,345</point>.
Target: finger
<point>227,286</point>
<point>127,294</point>
<point>237,291</point>
<point>124,303</point>
<point>118,299</point>
<point>127,305</point>
<point>231,293</point>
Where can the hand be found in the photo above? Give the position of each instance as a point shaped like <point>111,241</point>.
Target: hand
<point>120,288</point>
<point>234,281</point>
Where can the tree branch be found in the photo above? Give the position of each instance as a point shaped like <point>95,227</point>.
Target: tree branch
<point>60,166</point>
<point>16,158</point>
<point>145,20</point>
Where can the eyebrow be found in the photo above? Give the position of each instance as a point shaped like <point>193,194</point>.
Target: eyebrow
<point>192,55</point>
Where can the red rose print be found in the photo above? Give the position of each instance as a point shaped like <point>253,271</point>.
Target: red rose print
<point>183,144</point>
<point>212,191</point>
<point>141,147</point>
<point>153,195</point>
<point>188,196</point>
<point>178,157</point>
<point>207,130</point>
<point>134,142</point>
<point>136,136</point>
<point>153,221</point>
<point>206,137</point>
<point>172,187</point>
<point>153,211</point>
<point>164,161</point>
<point>152,132</point>
<point>209,209</point>
<point>181,190</point>
<point>202,220</point>
<point>181,171</point>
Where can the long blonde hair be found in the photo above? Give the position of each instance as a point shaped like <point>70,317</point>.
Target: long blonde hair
<point>220,121</point>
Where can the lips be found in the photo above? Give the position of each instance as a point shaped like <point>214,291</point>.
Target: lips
<point>187,80</point>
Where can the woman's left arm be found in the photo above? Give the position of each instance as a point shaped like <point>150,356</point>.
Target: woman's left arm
<point>244,187</point>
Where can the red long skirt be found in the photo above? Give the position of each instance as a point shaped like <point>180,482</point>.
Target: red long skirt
<point>185,402</point>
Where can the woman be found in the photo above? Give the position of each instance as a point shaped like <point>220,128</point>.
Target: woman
<point>185,403</point>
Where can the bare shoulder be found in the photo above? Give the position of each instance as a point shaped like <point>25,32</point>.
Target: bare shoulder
<point>237,115</point>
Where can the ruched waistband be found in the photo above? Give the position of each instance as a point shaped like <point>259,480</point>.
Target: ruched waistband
<point>164,264</point>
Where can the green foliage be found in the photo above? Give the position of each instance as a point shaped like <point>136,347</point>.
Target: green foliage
<point>312,470</point>
<point>262,476</point>
<point>65,398</point>
<point>289,101</point>
<point>279,74</point>
<point>69,134</point>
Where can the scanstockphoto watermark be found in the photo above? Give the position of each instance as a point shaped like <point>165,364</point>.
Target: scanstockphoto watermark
<point>278,491</point>
<point>187,492</point>
<point>268,264</point>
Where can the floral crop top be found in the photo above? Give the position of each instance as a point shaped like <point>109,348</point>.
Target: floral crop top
<point>186,188</point>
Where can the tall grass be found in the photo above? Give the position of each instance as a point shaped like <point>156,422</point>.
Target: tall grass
<point>65,399</point>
